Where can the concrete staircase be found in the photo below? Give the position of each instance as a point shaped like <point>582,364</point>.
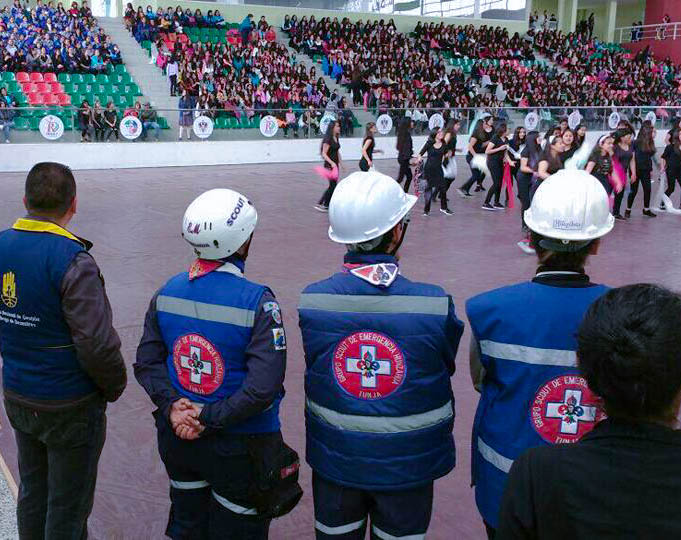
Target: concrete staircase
<point>363,117</point>
<point>150,79</point>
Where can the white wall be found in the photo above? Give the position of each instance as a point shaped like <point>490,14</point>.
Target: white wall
<point>21,157</point>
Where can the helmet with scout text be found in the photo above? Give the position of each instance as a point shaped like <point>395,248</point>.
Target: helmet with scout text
<point>570,209</point>
<point>365,206</point>
<point>218,222</point>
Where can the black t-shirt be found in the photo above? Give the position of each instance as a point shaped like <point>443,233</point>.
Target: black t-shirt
<point>496,159</point>
<point>334,147</point>
<point>644,160</point>
<point>603,166</point>
<point>478,147</point>
<point>370,148</point>
<point>624,157</point>
<point>672,158</point>
<point>567,154</point>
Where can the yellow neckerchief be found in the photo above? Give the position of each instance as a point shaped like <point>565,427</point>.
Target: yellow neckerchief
<point>36,225</point>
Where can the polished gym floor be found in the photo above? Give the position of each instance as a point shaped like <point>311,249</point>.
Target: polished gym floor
<point>134,219</point>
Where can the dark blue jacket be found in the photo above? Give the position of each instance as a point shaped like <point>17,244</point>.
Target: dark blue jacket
<point>380,352</point>
<point>532,394</point>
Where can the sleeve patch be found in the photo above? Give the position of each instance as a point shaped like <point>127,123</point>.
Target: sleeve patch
<point>279,339</point>
<point>275,309</point>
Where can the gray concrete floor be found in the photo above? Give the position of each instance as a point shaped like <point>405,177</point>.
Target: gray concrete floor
<point>8,508</point>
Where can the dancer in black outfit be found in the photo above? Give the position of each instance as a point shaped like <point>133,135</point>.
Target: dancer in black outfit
<point>600,161</point>
<point>476,145</point>
<point>496,156</point>
<point>529,160</point>
<point>405,151</point>
<point>516,144</point>
<point>624,154</point>
<point>549,162</point>
<point>451,132</point>
<point>436,149</point>
<point>644,152</point>
<point>332,160</point>
<point>671,162</point>
<point>570,143</point>
<point>368,145</point>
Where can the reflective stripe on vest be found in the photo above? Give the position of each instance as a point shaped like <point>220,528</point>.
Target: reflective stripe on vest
<point>386,536</point>
<point>205,312</point>
<point>358,303</point>
<point>197,484</point>
<point>528,355</point>
<point>381,424</point>
<point>233,507</point>
<point>340,529</point>
<point>490,455</point>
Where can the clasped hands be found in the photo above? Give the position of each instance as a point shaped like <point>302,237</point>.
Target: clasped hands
<point>184,419</point>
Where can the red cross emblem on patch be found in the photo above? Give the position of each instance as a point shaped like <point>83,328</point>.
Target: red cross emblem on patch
<point>564,409</point>
<point>198,364</point>
<point>369,365</point>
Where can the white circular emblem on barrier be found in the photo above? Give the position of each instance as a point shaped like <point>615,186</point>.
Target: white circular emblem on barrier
<point>613,120</point>
<point>564,409</point>
<point>51,127</point>
<point>203,127</point>
<point>384,124</point>
<point>324,122</point>
<point>436,121</point>
<point>131,127</point>
<point>269,126</point>
<point>531,121</point>
<point>574,119</point>
<point>651,117</point>
<point>368,365</point>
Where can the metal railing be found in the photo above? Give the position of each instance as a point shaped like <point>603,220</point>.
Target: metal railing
<point>632,34</point>
<point>25,126</point>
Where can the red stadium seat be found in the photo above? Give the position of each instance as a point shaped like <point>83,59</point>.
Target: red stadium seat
<point>64,99</point>
<point>35,99</point>
<point>22,76</point>
<point>36,77</point>
<point>29,87</point>
<point>43,87</point>
<point>49,77</point>
<point>56,87</point>
<point>50,99</point>
<point>182,38</point>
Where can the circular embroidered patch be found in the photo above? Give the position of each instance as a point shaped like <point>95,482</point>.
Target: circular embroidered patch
<point>369,365</point>
<point>198,364</point>
<point>564,409</point>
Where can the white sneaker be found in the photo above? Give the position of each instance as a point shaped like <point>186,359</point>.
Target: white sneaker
<point>321,208</point>
<point>7,141</point>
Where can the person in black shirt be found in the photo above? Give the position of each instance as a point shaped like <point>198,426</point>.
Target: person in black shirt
<point>436,149</point>
<point>622,479</point>
<point>476,145</point>
<point>624,154</point>
<point>600,162</point>
<point>570,144</point>
<point>644,152</point>
<point>529,159</point>
<point>332,161</point>
<point>368,145</point>
<point>671,163</point>
<point>405,151</point>
<point>496,156</point>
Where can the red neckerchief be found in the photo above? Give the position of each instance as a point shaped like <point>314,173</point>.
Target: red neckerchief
<point>201,267</point>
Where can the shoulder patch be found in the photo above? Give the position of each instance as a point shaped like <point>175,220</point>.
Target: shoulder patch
<point>274,308</point>
<point>279,339</point>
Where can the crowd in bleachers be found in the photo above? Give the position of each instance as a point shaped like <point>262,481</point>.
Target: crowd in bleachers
<point>53,39</point>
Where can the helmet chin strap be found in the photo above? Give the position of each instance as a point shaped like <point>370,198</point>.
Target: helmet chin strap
<point>405,225</point>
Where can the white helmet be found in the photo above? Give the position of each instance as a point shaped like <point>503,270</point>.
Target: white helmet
<point>365,206</point>
<point>218,222</point>
<point>571,206</point>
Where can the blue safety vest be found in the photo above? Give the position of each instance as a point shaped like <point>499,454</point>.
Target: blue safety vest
<point>532,394</point>
<point>206,324</point>
<point>39,359</point>
<point>379,405</point>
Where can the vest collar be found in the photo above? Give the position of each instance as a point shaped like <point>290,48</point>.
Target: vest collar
<point>377,269</point>
<point>43,225</point>
<point>232,265</point>
<point>561,278</point>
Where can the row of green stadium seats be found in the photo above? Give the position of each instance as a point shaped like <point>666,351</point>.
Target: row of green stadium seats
<point>96,88</point>
<point>88,78</point>
<point>32,123</point>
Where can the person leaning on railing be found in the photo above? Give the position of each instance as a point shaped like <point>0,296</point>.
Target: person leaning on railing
<point>6,119</point>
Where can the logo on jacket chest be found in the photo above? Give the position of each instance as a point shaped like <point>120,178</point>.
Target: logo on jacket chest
<point>198,364</point>
<point>368,365</point>
<point>564,409</point>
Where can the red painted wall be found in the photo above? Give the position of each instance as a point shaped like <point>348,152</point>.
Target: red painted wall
<point>656,9</point>
<point>661,49</point>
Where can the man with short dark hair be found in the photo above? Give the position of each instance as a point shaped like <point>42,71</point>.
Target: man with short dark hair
<point>61,358</point>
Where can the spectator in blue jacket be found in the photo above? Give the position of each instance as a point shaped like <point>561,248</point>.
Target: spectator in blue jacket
<point>245,28</point>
